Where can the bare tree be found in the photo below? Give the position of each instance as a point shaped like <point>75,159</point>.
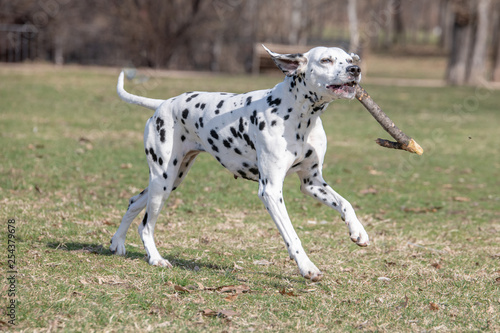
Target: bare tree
<point>461,42</point>
<point>353,26</point>
<point>480,50</point>
<point>496,42</point>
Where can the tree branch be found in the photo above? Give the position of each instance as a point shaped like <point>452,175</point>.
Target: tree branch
<point>404,142</point>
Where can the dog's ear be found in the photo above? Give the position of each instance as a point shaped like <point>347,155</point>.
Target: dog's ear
<point>355,58</point>
<point>290,64</point>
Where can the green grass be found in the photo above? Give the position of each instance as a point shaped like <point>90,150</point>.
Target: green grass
<point>71,155</point>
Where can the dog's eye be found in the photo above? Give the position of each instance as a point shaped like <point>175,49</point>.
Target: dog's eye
<point>326,61</point>
<point>349,61</point>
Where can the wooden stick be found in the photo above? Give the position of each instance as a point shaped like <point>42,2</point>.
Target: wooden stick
<point>404,142</point>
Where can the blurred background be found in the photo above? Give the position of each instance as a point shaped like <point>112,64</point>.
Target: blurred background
<point>225,35</point>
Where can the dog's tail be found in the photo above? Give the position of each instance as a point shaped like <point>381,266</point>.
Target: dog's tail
<point>149,103</point>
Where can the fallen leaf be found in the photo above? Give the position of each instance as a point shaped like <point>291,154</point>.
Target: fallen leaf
<point>126,166</point>
<point>209,313</point>
<point>239,289</point>
<point>404,304</point>
<point>437,265</point>
<point>262,262</point>
<point>287,293</point>
<point>369,190</point>
<point>231,298</point>
<point>227,313</point>
<point>374,172</point>
<point>182,289</point>
<point>384,279</point>
<point>497,280</point>
<point>421,210</point>
<point>461,199</point>
<point>433,306</point>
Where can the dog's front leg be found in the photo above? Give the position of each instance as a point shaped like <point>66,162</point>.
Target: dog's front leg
<point>315,186</point>
<point>271,194</point>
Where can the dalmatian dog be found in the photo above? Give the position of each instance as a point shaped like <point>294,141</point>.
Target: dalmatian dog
<point>262,135</point>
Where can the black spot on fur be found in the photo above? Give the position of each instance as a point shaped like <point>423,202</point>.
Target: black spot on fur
<point>183,138</point>
<point>226,143</point>
<point>185,113</point>
<point>214,134</point>
<point>286,117</point>
<point>165,175</point>
<point>253,117</point>
<point>309,153</point>
<point>215,149</point>
<point>191,97</point>
<point>162,135</point>
<point>249,100</point>
<point>160,161</point>
<point>210,141</point>
<point>241,126</point>
<point>237,151</point>
<point>175,162</point>
<point>201,121</point>
<point>309,122</point>
<point>180,174</point>
<point>145,219</point>
<point>153,155</point>
<point>272,101</point>
<point>273,123</point>
<point>233,132</point>
<point>248,141</point>
<point>255,171</point>
<point>262,125</point>
<point>220,104</point>
<point>217,111</point>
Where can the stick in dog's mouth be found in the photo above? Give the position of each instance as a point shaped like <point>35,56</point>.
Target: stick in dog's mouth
<point>404,142</point>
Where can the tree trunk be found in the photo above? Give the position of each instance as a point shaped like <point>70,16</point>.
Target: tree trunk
<point>496,43</point>
<point>399,30</point>
<point>298,22</point>
<point>446,18</point>
<point>480,51</point>
<point>353,26</point>
<point>461,43</point>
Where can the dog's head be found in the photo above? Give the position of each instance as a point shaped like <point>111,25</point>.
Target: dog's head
<point>331,72</point>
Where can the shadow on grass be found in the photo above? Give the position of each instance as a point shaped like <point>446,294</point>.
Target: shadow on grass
<point>99,249</point>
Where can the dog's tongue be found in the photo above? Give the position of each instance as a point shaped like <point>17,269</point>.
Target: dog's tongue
<point>346,87</point>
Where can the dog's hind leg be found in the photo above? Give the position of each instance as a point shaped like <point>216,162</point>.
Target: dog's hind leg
<point>157,194</point>
<point>136,205</point>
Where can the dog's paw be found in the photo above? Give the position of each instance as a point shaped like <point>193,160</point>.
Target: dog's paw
<point>117,247</point>
<point>160,262</point>
<point>358,234</point>
<point>310,271</point>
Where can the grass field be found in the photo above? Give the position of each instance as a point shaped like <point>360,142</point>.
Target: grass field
<point>71,155</point>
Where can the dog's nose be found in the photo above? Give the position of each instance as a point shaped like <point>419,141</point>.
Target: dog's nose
<point>353,70</point>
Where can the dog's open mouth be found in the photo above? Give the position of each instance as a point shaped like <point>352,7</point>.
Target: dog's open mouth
<point>348,88</point>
